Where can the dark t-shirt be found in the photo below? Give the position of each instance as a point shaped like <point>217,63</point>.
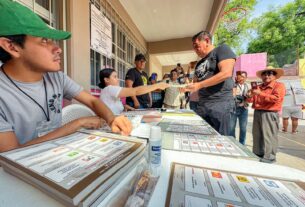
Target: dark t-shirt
<point>139,79</point>
<point>181,79</point>
<point>208,67</point>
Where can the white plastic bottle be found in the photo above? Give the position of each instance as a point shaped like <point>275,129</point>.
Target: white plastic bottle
<point>155,151</point>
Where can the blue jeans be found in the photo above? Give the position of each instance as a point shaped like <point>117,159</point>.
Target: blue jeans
<point>242,115</point>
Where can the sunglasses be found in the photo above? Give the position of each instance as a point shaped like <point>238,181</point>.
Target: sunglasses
<point>242,75</point>
<point>269,73</point>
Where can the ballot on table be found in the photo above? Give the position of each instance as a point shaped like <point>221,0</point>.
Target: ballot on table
<point>75,169</point>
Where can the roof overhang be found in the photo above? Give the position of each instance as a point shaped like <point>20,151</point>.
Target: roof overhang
<point>167,26</point>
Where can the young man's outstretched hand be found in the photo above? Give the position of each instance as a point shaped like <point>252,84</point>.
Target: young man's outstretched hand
<point>122,125</point>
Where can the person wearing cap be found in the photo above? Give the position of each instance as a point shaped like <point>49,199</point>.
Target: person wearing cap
<point>32,87</point>
<point>214,82</point>
<point>267,99</point>
<point>137,77</point>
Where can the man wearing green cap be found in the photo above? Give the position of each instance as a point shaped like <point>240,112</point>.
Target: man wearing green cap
<point>32,87</point>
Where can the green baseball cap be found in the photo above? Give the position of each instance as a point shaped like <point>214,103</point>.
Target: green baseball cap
<point>16,19</point>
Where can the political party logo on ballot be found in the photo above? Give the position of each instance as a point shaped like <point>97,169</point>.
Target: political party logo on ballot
<point>191,136</point>
<point>91,137</point>
<point>216,174</point>
<point>87,158</point>
<point>58,149</point>
<point>103,140</point>
<point>242,179</point>
<point>271,183</point>
<point>185,142</point>
<point>117,143</point>
<point>72,154</point>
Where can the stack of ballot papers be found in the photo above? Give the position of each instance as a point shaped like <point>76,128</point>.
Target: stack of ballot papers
<point>76,169</point>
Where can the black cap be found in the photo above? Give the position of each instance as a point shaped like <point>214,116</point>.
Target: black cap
<point>139,57</point>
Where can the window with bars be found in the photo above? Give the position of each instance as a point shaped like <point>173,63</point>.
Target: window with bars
<point>46,9</point>
<point>130,55</point>
<point>137,51</point>
<point>92,68</point>
<point>123,47</point>
<point>44,3</point>
<point>97,63</point>
<point>121,73</point>
<point>113,29</point>
<point>95,66</point>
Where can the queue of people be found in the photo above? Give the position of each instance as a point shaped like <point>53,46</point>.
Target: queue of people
<point>169,97</point>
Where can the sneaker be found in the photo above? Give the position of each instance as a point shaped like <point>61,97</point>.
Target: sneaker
<point>267,160</point>
<point>295,132</point>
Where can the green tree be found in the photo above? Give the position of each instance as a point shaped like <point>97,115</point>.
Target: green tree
<point>281,33</point>
<point>235,37</point>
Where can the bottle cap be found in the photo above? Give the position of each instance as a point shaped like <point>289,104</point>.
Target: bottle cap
<point>155,133</point>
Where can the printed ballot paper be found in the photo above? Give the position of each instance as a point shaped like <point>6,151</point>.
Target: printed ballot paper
<point>75,169</point>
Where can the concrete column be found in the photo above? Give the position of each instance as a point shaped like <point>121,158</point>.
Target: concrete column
<point>79,45</point>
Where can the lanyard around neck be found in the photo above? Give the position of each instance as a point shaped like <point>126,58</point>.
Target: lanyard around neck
<point>45,90</point>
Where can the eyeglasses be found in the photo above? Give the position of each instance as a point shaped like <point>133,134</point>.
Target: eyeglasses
<point>269,73</point>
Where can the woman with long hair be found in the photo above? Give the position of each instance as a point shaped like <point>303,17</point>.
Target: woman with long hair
<point>112,92</point>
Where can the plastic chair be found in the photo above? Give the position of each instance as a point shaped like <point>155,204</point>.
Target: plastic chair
<point>75,111</point>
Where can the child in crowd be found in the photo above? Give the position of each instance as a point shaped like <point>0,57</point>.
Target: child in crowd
<point>112,92</point>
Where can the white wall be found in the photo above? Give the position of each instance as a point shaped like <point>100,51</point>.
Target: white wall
<point>79,64</point>
<point>155,66</point>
